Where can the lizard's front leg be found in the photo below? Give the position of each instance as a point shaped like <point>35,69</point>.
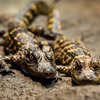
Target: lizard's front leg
<point>6,61</point>
<point>64,69</point>
<point>4,66</point>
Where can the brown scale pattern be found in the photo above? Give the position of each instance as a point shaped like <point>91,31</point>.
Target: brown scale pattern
<point>66,51</point>
<point>54,24</point>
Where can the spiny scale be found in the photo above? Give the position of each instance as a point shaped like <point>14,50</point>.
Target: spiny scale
<point>66,51</point>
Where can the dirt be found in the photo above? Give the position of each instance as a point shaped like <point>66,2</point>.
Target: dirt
<point>80,19</point>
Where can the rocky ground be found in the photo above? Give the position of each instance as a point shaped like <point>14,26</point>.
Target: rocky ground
<point>80,19</point>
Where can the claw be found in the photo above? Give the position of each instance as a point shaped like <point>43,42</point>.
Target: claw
<point>5,71</point>
<point>5,68</point>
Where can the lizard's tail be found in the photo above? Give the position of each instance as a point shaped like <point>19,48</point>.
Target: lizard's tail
<point>25,18</point>
<point>54,23</point>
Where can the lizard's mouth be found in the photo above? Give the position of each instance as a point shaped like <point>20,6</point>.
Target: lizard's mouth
<point>85,82</point>
<point>78,81</point>
<point>49,75</point>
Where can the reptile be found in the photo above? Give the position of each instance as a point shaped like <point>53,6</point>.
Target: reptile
<point>23,49</point>
<point>72,57</point>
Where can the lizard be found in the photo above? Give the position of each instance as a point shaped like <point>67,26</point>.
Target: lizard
<point>72,57</point>
<point>23,49</point>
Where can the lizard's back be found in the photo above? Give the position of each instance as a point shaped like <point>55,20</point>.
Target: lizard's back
<point>16,38</point>
<point>66,51</point>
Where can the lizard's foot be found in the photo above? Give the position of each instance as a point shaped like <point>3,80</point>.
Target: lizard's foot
<point>4,67</point>
<point>58,77</point>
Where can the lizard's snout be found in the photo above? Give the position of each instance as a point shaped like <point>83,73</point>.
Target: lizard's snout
<point>49,72</point>
<point>87,75</point>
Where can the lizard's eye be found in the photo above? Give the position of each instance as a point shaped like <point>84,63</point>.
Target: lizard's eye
<point>95,63</point>
<point>96,67</point>
<point>78,65</point>
<point>35,56</point>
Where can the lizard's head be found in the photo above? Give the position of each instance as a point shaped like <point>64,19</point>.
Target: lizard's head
<point>86,71</point>
<point>41,62</point>
<point>47,62</point>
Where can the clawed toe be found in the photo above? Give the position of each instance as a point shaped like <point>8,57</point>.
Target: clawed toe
<point>5,68</point>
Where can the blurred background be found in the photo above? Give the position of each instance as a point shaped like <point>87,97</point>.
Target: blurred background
<point>11,5</point>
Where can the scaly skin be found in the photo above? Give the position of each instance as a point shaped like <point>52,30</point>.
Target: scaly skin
<point>72,57</point>
<point>23,49</point>
<point>54,24</point>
